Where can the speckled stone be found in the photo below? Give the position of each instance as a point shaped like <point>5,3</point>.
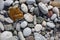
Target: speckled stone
<point>30,38</point>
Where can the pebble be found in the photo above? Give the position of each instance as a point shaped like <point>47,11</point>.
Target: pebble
<point>24,24</point>
<point>15,32</point>
<point>53,16</point>
<point>1,26</point>
<point>30,38</point>
<point>52,38</point>
<point>32,9</point>
<point>43,8</point>
<point>8,20</point>
<point>31,25</point>
<point>45,1</point>
<point>50,7</point>
<point>22,1</point>
<point>24,8</point>
<point>56,10</point>
<point>2,18</point>
<point>27,31</point>
<point>51,25</point>
<point>30,6</point>
<point>1,4</point>
<point>5,35</point>
<point>38,27</point>
<point>30,1</point>
<point>28,17</point>
<point>56,20</point>
<point>44,23</point>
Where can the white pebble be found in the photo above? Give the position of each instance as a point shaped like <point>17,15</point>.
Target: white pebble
<point>44,23</point>
<point>2,18</point>
<point>50,7</point>
<point>45,1</point>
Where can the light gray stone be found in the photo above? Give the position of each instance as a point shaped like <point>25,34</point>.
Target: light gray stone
<point>45,1</point>
<point>2,18</point>
<point>22,1</point>
<point>50,7</point>
<point>56,20</point>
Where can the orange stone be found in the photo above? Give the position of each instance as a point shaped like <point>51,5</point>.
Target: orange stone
<point>15,13</point>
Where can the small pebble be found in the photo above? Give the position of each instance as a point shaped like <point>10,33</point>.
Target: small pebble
<point>44,23</point>
<point>30,38</point>
<point>22,1</point>
<point>45,1</point>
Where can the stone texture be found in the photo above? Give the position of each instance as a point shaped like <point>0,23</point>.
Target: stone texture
<point>22,1</point>
<point>30,38</point>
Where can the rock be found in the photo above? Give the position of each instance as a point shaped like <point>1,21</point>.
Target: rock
<point>50,7</point>
<point>15,3</point>
<point>56,10</point>
<point>51,25</point>
<point>1,4</point>
<point>15,32</point>
<point>32,9</point>
<point>30,25</point>
<point>30,1</point>
<point>56,20</point>
<point>2,18</point>
<point>1,26</point>
<point>22,1</point>
<point>44,23</point>
<point>30,38</point>
<point>8,27</point>
<point>28,17</point>
<point>8,20</point>
<point>53,16</point>
<point>39,36</point>
<point>24,8</point>
<point>52,38</point>
<point>20,35</point>
<point>33,30</point>
<point>38,27</point>
<point>24,24</point>
<point>43,8</point>
<point>36,11</point>
<point>38,1</point>
<point>5,35</point>
<point>45,1</point>
<point>8,2</point>
<point>27,31</point>
<point>30,6</point>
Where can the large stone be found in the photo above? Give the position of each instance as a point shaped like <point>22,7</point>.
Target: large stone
<point>24,8</point>
<point>1,4</point>
<point>43,8</point>
<point>27,31</point>
<point>28,17</point>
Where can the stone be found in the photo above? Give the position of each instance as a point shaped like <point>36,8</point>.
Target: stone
<point>24,8</point>
<point>16,2</point>
<point>30,25</point>
<point>15,13</point>
<point>45,1</point>
<point>5,35</point>
<point>30,38</point>
<point>28,17</point>
<point>8,20</point>
<point>53,16</point>
<point>56,10</point>
<point>15,32</point>
<point>44,23</point>
<point>8,27</point>
<point>43,8</point>
<point>1,4</point>
<point>32,9</point>
<point>22,1</point>
<point>20,35</point>
<point>38,27</point>
<point>50,24</point>
<point>24,24</point>
<point>38,1</point>
<point>2,18</point>
<point>33,30</point>
<point>27,31</point>
<point>30,1</point>
<point>8,2</point>
<point>36,11</point>
<point>1,26</point>
<point>30,6</point>
<point>56,20</point>
<point>39,36</point>
<point>50,7</point>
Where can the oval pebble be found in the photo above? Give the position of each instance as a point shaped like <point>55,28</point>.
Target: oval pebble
<point>27,31</point>
<point>44,23</point>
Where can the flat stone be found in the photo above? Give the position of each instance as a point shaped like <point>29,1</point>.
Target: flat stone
<point>28,17</point>
<point>5,35</point>
<point>24,24</point>
<point>1,26</point>
<point>43,8</point>
<point>30,1</point>
<point>24,8</point>
<point>53,16</point>
<point>27,31</point>
<point>38,27</point>
<point>30,38</point>
<point>51,25</point>
<point>22,1</point>
<point>1,4</point>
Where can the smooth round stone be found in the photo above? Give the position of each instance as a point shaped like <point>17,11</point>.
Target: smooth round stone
<point>27,31</point>
<point>43,8</point>
<point>24,24</point>
<point>44,23</point>
<point>45,1</point>
<point>24,8</point>
<point>56,10</point>
<point>38,27</point>
<point>5,35</point>
<point>51,25</point>
<point>22,1</point>
<point>1,4</point>
<point>1,26</point>
<point>28,17</point>
<point>30,38</point>
<point>8,2</point>
<point>53,16</point>
<point>50,7</point>
<point>32,9</point>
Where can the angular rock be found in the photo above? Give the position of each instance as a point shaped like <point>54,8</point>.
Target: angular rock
<point>28,17</point>
<point>43,8</point>
<point>27,31</point>
<point>30,38</point>
<point>24,24</point>
<point>24,8</point>
<point>38,27</point>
